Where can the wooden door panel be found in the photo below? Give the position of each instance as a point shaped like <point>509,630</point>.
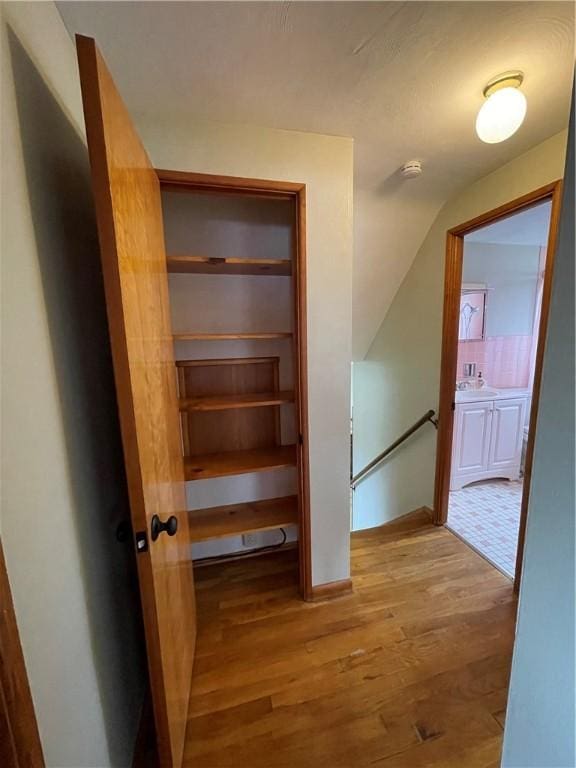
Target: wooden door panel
<point>128,208</point>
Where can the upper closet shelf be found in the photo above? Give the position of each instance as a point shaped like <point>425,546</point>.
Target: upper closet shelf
<point>221,266</point>
<point>231,336</point>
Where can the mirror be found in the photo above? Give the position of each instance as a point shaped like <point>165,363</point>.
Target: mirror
<point>472,314</point>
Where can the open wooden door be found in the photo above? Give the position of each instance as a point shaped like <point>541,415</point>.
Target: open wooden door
<point>128,209</point>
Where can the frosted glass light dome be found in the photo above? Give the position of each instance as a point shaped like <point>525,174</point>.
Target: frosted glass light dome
<point>501,115</point>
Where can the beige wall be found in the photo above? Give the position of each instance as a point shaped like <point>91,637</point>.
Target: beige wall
<point>399,380</point>
<point>62,488</point>
<point>325,165</point>
<point>541,707</point>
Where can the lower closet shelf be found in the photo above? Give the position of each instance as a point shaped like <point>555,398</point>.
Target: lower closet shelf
<point>239,462</point>
<point>235,519</point>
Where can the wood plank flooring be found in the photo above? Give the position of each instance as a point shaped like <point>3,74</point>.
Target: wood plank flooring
<point>410,670</point>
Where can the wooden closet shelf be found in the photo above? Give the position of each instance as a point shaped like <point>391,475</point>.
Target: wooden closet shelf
<point>228,402</point>
<point>238,462</point>
<point>231,336</point>
<point>223,266</point>
<point>235,519</point>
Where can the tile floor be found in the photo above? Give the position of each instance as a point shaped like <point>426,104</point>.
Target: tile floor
<point>487,516</point>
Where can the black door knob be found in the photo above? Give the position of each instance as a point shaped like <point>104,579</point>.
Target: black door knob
<point>157,526</point>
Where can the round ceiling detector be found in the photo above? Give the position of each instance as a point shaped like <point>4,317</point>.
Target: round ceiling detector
<point>504,110</point>
<point>411,169</point>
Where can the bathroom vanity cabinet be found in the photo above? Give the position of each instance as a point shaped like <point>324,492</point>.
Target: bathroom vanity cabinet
<point>487,441</point>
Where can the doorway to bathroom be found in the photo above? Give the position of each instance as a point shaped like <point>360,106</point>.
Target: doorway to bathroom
<point>498,278</point>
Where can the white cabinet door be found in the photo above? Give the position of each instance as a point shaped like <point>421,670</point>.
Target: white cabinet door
<point>507,433</point>
<point>471,439</point>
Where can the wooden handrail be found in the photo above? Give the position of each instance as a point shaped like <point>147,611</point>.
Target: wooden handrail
<point>428,416</point>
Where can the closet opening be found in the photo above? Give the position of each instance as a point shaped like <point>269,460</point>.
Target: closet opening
<point>236,276</point>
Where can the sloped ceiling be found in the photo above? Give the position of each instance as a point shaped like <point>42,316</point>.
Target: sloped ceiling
<point>404,79</point>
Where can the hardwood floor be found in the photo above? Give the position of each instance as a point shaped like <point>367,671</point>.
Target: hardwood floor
<point>410,670</point>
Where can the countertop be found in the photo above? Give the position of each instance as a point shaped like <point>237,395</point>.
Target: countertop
<point>490,393</point>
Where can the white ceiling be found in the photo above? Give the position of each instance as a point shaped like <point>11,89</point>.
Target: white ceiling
<point>529,227</point>
<point>404,79</point>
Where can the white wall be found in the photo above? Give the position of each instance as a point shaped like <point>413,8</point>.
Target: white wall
<point>399,381</point>
<point>325,165</point>
<point>511,274</point>
<point>541,711</point>
<point>63,491</point>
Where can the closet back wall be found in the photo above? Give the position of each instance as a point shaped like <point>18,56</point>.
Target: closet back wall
<point>325,165</point>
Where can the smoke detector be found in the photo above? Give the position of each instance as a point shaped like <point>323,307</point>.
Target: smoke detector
<point>411,169</point>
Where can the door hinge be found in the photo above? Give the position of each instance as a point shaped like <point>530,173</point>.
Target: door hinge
<point>453,406</point>
<point>300,439</point>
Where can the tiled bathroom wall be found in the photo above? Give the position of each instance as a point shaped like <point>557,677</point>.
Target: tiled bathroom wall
<point>503,360</point>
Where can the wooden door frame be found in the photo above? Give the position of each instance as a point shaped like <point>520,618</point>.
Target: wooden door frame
<point>17,715</point>
<point>278,190</point>
<point>452,286</point>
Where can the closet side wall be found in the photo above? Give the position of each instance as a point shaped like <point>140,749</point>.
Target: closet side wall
<point>325,165</point>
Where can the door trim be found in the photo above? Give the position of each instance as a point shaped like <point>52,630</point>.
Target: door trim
<point>17,713</point>
<point>236,185</point>
<point>452,283</point>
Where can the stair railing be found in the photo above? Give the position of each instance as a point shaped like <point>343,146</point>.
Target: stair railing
<point>428,417</point>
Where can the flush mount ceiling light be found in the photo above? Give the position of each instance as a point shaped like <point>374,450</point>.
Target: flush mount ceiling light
<point>504,110</point>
